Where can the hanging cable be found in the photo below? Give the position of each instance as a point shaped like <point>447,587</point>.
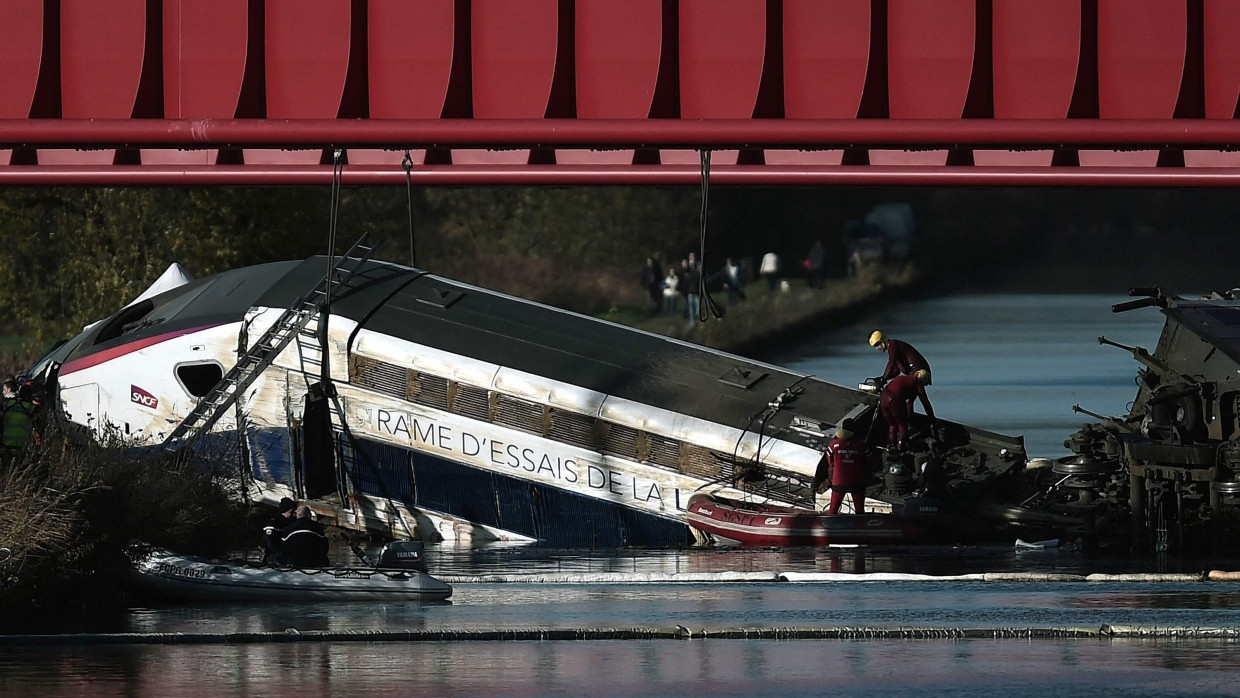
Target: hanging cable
<point>704,298</point>
<point>754,463</point>
<point>334,212</point>
<point>407,163</point>
<point>337,176</point>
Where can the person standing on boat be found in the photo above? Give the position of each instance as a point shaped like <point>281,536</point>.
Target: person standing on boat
<point>896,403</point>
<point>845,464</point>
<point>902,358</point>
<point>273,530</point>
<point>304,543</point>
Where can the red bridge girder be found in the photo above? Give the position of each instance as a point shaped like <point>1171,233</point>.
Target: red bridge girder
<point>1009,92</point>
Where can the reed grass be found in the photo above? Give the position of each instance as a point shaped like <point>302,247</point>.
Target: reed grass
<point>71,507</point>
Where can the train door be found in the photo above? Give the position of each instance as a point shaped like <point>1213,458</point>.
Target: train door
<point>80,404</point>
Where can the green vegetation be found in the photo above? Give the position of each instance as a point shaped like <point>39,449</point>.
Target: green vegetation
<point>75,256</point>
<point>72,256</point>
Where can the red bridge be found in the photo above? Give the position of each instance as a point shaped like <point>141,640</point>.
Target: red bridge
<point>961,92</point>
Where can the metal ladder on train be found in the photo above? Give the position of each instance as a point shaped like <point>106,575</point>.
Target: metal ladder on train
<point>266,348</point>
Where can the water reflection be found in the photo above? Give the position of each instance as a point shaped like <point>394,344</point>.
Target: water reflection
<point>669,667</point>
<point>647,668</point>
<point>925,560</point>
<point>1229,599</point>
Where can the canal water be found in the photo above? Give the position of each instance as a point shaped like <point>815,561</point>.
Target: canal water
<point>1013,364</point>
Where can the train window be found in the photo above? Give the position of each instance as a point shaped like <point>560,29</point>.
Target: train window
<point>199,379</point>
<point>123,321</point>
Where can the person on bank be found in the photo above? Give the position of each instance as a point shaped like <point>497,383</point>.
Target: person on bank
<point>902,358</point>
<point>18,422</point>
<point>273,530</point>
<point>844,463</point>
<point>304,543</point>
<point>896,403</point>
<point>652,281</point>
<point>769,270</point>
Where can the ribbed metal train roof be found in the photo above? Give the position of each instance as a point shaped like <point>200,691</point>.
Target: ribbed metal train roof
<point>568,347</point>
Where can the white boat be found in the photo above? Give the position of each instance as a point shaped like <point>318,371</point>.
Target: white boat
<point>188,578</point>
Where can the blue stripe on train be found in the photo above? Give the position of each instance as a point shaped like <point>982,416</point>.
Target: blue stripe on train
<point>555,517</point>
<point>271,457</point>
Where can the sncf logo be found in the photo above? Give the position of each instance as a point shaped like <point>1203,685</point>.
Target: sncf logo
<point>142,397</point>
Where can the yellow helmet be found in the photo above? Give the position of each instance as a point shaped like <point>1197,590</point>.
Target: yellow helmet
<point>877,338</point>
<point>923,376</point>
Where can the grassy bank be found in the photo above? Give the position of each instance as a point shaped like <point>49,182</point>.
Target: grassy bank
<point>68,511</point>
<point>765,318</point>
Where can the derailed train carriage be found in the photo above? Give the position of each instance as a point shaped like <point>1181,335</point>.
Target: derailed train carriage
<point>1166,475</point>
<point>405,403</point>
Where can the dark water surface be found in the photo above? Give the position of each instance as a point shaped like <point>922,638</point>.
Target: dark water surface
<point>846,667</point>
<point>1013,364</point>
<point>645,668</point>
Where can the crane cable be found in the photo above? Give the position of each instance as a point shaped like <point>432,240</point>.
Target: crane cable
<point>337,176</point>
<point>704,298</point>
<point>407,163</point>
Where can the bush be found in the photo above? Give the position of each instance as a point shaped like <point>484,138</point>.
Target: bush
<point>70,509</point>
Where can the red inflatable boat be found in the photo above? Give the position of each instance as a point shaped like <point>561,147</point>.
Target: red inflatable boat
<point>761,525</point>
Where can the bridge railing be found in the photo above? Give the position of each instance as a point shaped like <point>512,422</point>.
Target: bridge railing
<point>1103,92</point>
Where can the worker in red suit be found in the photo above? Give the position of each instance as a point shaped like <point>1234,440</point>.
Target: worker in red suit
<point>896,403</point>
<point>845,463</point>
<point>902,358</point>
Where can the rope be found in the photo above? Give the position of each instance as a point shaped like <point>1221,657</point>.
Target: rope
<point>704,298</point>
<point>334,213</point>
<point>350,572</point>
<point>768,411</point>
<point>351,442</point>
<point>407,163</point>
<point>337,176</point>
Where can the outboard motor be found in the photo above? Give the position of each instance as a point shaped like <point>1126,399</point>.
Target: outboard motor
<point>924,507</point>
<point>898,475</point>
<point>403,555</point>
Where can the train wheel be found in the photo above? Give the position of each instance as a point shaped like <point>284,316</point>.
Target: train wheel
<point>1083,465</point>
